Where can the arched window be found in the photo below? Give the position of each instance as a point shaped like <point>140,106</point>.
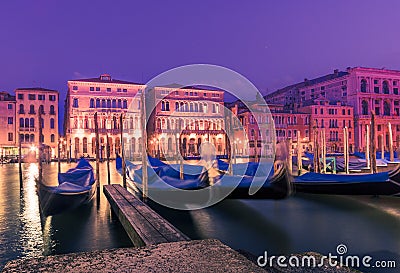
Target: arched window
<point>364,106</point>
<point>75,103</point>
<point>52,138</point>
<point>97,103</point>
<point>125,104</point>
<point>385,87</point>
<point>186,107</point>
<point>191,107</point>
<point>386,108</point>
<point>176,106</point>
<point>31,109</point>
<point>364,85</point>
<point>103,103</point>
<point>32,138</point>
<point>196,107</point>
<point>32,122</point>
<point>119,104</point>
<point>84,150</point>
<point>114,103</point>
<point>21,122</point>
<point>162,106</point>
<point>108,103</point>
<point>21,109</point>
<point>26,137</point>
<point>26,122</point>
<point>167,106</point>
<point>41,109</point>
<point>52,123</point>
<point>52,112</point>
<point>91,103</point>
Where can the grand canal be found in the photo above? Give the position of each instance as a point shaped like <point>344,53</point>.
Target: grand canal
<point>366,225</point>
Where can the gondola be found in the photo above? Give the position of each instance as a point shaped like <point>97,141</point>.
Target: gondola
<point>384,183</point>
<point>76,187</point>
<point>163,177</point>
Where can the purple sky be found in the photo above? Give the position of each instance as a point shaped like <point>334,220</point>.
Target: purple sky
<point>272,43</point>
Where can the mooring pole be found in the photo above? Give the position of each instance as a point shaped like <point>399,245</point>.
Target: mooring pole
<point>299,154</point>
<point>323,150</point>
<point>382,147</point>
<point>290,156</point>
<point>346,149</point>
<point>367,146</point>
<point>374,168</point>
<point>96,131</point>
<point>108,161</point>
<point>144,145</point>
<point>58,156</point>
<point>21,184</point>
<point>121,126</point>
<point>391,158</point>
<point>40,145</point>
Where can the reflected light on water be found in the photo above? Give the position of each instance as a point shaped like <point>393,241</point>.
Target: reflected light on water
<point>31,229</point>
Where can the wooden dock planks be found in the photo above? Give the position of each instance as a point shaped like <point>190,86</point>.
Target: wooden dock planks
<point>143,225</point>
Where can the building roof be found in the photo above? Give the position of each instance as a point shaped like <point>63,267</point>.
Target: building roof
<point>35,89</point>
<point>5,96</point>
<point>105,78</point>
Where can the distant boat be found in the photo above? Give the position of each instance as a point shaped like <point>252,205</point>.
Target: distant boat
<point>75,187</point>
<point>162,176</point>
<point>384,183</point>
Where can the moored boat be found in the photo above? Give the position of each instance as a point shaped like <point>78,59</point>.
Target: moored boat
<point>384,183</point>
<point>75,188</point>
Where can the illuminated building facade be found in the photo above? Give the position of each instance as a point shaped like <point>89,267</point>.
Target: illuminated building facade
<point>109,98</point>
<point>8,137</point>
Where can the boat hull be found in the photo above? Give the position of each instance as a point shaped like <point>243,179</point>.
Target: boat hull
<point>55,203</point>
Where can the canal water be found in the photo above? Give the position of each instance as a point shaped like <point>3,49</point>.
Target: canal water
<point>366,225</point>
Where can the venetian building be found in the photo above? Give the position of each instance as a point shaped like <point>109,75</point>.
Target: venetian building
<point>183,119</point>
<point>29,102</point>
<point>109,98</point>
<point>8,138</point>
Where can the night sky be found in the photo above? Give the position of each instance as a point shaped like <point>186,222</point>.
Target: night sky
<point>272,43</point>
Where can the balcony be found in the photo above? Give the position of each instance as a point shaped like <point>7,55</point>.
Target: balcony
<point>32,112</point>
<point>23,129</point>
<point>52,112</point>
<point>21,112</point>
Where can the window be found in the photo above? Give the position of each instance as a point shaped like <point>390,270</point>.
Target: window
<point>21,122</point>
<point>91,88</point>
<point>363,85</point>
<point>118,89</point>
<point>377,111</point>
<point>52,123</point>
<point>103,103</point>
<point>114,103</point>
<point>316,111</point>
<point>108,89</point>
<point>385,87</point>
<point>52,138</point>
<point>375,81</point>
<point>74,87</point>
<point>10,120</point>
<point>9,106</point>
<point>343,112</point>
<point>41,109</point>
<point>109,103</point>
<point>41,97</point>
<point>52,112</point>
<point>124,90</point>
<point>386,108</point>
<point>97,88</point>
<point>126,104</point>
<point>31,123</point>
<point>32,97</point>
<point>364,106</point>
<point>10,137</point>
<point>52,97</point>
<point>91,105</point>
<point>75,103</point>
<point>20,96</point>
<point>376,89</point>
<point>322,111</point>
<point>396,91</point>
<point>31,109</point>
<point>97,103</point>
<point>119,104</point>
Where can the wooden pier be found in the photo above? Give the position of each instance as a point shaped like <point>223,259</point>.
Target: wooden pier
<point>143,225</point>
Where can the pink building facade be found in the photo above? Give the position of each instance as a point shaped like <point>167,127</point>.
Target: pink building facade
<point>8,122</point>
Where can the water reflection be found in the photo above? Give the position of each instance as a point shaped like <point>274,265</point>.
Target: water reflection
<point>25,233</point>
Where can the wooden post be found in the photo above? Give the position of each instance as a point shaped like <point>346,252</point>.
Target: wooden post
<point>290,156</point>
<point>21,184</point>
<point>58,156</point>
<point>323,150</point>
<point>229,147</point>
<point>299,154</point>
<point>121,126</point>
<point>108,151</point>
<point>374,168</point>
<point>382,147</point>
<point>367,146</point>
<point>144,147</point>
<point>316,151</point>
<point>40,146</point>
<point>346,149</point>
<point>391,158</point>
<point>96,131</point>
